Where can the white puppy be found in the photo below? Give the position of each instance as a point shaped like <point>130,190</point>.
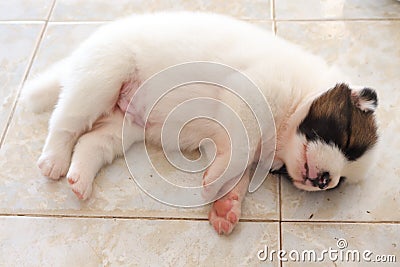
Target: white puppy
<point>325,129</point>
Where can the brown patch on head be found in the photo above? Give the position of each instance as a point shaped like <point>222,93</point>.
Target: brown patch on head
<point>337,119</point>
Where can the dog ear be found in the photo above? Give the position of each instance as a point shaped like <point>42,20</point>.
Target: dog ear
<point>365,99</point>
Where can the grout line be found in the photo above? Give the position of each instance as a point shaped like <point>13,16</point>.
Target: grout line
<point>5,22</point>
<point>26,73</point>
<point>111,20</point>
<point>340,222</point>
<point>106,21</point>
<point>77,216</point>
<point>280,245</point>
<point>280,215</point>
<point>52,21</point>
<point>101,217</point>
<point>339,19</point>
<point>123,217</point>
<point>51,10</point>
<point>279,187</point>
<point>79,22</point>
<point>259,220</point>
<point>273,16</point>
<point>119,217</point>
<point>273,27</point>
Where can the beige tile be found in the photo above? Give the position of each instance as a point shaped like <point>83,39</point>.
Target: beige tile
<point>380,239</point>
<point>59,41</point>
<point>24,190</point>
<point>366,51</point>
<point>334,9</point>
<point>17,43</point>
<point>108,242</point>
<point>106,10</point>
<point>25,9</point>
<point>370,57</point>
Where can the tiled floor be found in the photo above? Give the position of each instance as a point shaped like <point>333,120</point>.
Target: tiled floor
<point>43,224</point>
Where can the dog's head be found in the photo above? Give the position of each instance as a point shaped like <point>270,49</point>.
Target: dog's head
<point>332,138</point>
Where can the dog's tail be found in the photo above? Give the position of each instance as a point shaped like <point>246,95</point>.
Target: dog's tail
<point>41,93</point>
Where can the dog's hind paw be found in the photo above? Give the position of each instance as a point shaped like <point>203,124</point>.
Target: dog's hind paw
<point>82,187</point>
<point>53,167</point>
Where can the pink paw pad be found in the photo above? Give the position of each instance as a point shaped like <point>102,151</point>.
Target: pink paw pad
<point>222,207</point>
<point>77,193</point>
<point>80,185</point>
<point>225,213</point>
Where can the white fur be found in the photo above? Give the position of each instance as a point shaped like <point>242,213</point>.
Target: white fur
<point>41,93</point>
<point>142,45</point>
<point>364,105</point>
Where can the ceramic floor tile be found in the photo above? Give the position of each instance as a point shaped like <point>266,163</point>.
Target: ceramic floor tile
<point>25,9</point>
<point>333,9</point>
<point>358,48</point>
<point>17,43</point>
<point>28,241</point>
<point>66,10</point>
<point>58,41</point>
<point>24,190</point>
<point>380,239</point>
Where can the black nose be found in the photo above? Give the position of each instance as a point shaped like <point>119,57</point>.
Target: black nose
<point>322,180</point>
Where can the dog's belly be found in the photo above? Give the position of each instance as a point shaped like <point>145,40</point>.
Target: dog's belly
<point>128,90</point>
<point>192,132</point>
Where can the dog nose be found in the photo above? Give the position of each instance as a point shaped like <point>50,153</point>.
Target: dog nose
<point>322,180</point>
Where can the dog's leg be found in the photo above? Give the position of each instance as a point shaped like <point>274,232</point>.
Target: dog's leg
<point>70,119</point>
<point>89,92</point>
<point>218,166</point>
<point>223,160</point>
<point>225,212</point>
<point>98,147</point>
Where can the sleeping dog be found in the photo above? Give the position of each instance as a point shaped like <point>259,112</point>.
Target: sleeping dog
<point>325,128</point>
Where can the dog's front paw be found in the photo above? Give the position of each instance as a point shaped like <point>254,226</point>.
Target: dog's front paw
<point>225,213</point>
<point>53,166</point>
<point>81,186</point>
